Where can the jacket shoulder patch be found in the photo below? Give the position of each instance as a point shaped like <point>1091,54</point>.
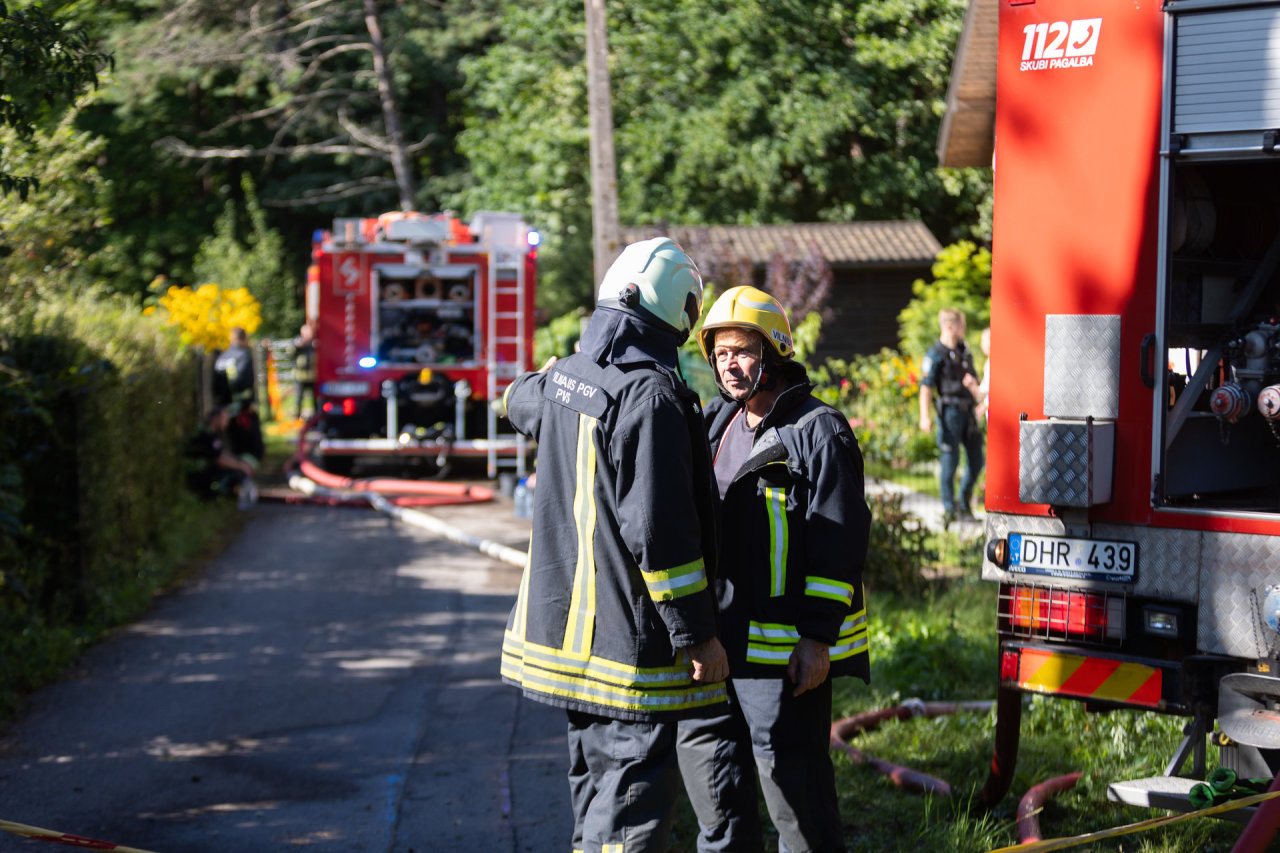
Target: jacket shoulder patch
<point>575,392</point>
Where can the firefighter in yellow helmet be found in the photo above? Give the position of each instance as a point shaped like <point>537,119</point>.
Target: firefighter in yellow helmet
<point>615,619</point>
<point>793,536</point>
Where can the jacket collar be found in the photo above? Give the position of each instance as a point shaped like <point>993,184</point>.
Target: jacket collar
<point>617,337</point>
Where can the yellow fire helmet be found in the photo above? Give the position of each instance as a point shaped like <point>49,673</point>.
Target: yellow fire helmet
<point>748,308</point>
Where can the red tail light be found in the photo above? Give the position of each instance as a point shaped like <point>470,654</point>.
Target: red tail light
<point>1063,614</point>
<point>347,406</point>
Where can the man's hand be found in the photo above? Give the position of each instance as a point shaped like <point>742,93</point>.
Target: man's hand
<point>710,663</point>
<point>926,423</point>
<point>809,664</point>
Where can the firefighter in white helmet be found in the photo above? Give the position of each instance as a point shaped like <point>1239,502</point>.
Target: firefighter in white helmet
<point>793,537</point>
<point>615,620</point>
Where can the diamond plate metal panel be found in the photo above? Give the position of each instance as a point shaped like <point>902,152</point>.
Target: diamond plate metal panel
<point>1082,366</point>
<point>1065,463</point>
<point>1236,571</point>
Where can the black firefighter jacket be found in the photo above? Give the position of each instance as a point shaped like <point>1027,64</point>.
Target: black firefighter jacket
<point>623,530</point>
<point>794,529</point>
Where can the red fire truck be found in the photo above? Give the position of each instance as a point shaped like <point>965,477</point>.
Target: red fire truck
<point>1133,483</point>
<point>421,320</point>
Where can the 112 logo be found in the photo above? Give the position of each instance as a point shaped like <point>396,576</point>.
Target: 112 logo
<point>1060,44</point>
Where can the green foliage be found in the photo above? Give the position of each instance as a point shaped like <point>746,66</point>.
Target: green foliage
<point>90,474</point>
<point>805,335</point>
<point>879,394</point>
<point>961,279</point>
<point>46,234</point>
<point>254,262</point>
<point>45,62</point>
<point>763,112</point>
<point>558,337</point>
<point>898,546</point>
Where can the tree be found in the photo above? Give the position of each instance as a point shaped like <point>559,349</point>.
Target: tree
<point>44,236</point>
<point>283,91</point>
<point>761,112</point>
<point>961,279</point>
<point>251,258</point>
<point>45,62</point>
<point>326,66</point>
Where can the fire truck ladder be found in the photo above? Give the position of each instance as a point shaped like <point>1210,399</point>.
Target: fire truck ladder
<point>506,279</point>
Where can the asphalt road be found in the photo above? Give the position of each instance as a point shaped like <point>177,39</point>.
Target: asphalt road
<point>329,683</point>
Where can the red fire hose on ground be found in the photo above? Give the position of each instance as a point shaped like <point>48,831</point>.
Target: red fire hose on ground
<point>1032,803</point>
<point>320,486</point>
<point>842,731</point>
<point>911,780</point>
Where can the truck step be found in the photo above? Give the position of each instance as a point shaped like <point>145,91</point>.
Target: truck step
<point>1168,792</point>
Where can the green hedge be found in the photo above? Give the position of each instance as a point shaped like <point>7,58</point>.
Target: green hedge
<point>95,404</point>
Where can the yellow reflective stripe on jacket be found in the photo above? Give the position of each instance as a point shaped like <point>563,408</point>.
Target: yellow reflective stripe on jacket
<point>828,588</point>
<point>676,583</point>
<point>580,626</point>
<point>775,500</point>
<point>853,636</point>
<point>771,642</point>
<point>519,615</point>
<point>611,848</point>
<point>546,670</point>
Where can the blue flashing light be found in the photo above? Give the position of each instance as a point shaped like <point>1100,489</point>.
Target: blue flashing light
<point>533,238</point>
<point>367,362</point>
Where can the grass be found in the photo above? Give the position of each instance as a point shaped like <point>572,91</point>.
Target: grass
<point>939,646</point>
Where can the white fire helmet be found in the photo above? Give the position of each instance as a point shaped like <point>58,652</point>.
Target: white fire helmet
<point>657,279</point>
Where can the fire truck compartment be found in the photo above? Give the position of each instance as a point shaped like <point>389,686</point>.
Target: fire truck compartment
<point>424,316</point>
<point>1219,421</point>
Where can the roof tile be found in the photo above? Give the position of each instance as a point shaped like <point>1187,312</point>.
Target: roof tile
<point>842,244</point>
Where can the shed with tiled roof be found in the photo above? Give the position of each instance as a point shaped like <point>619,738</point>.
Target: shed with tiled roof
<point>873,265</point>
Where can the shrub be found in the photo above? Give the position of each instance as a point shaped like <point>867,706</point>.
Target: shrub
<point>98,401</point>
<point>878,393</point>
<point>898,550</point>
<point>962,279</point>
<point>205,315</point>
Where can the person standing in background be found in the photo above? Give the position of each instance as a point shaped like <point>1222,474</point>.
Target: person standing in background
<point>304,368</point>
<point>949,385</point>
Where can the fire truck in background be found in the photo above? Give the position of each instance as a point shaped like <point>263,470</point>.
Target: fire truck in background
<point>420,321</point>
<point>1133,482</point>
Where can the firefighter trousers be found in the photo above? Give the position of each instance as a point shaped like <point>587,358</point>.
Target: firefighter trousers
<point>623,782</point>
<point>781,741</point>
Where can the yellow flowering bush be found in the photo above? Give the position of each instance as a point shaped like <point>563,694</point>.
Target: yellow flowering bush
<point>206,315</point>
